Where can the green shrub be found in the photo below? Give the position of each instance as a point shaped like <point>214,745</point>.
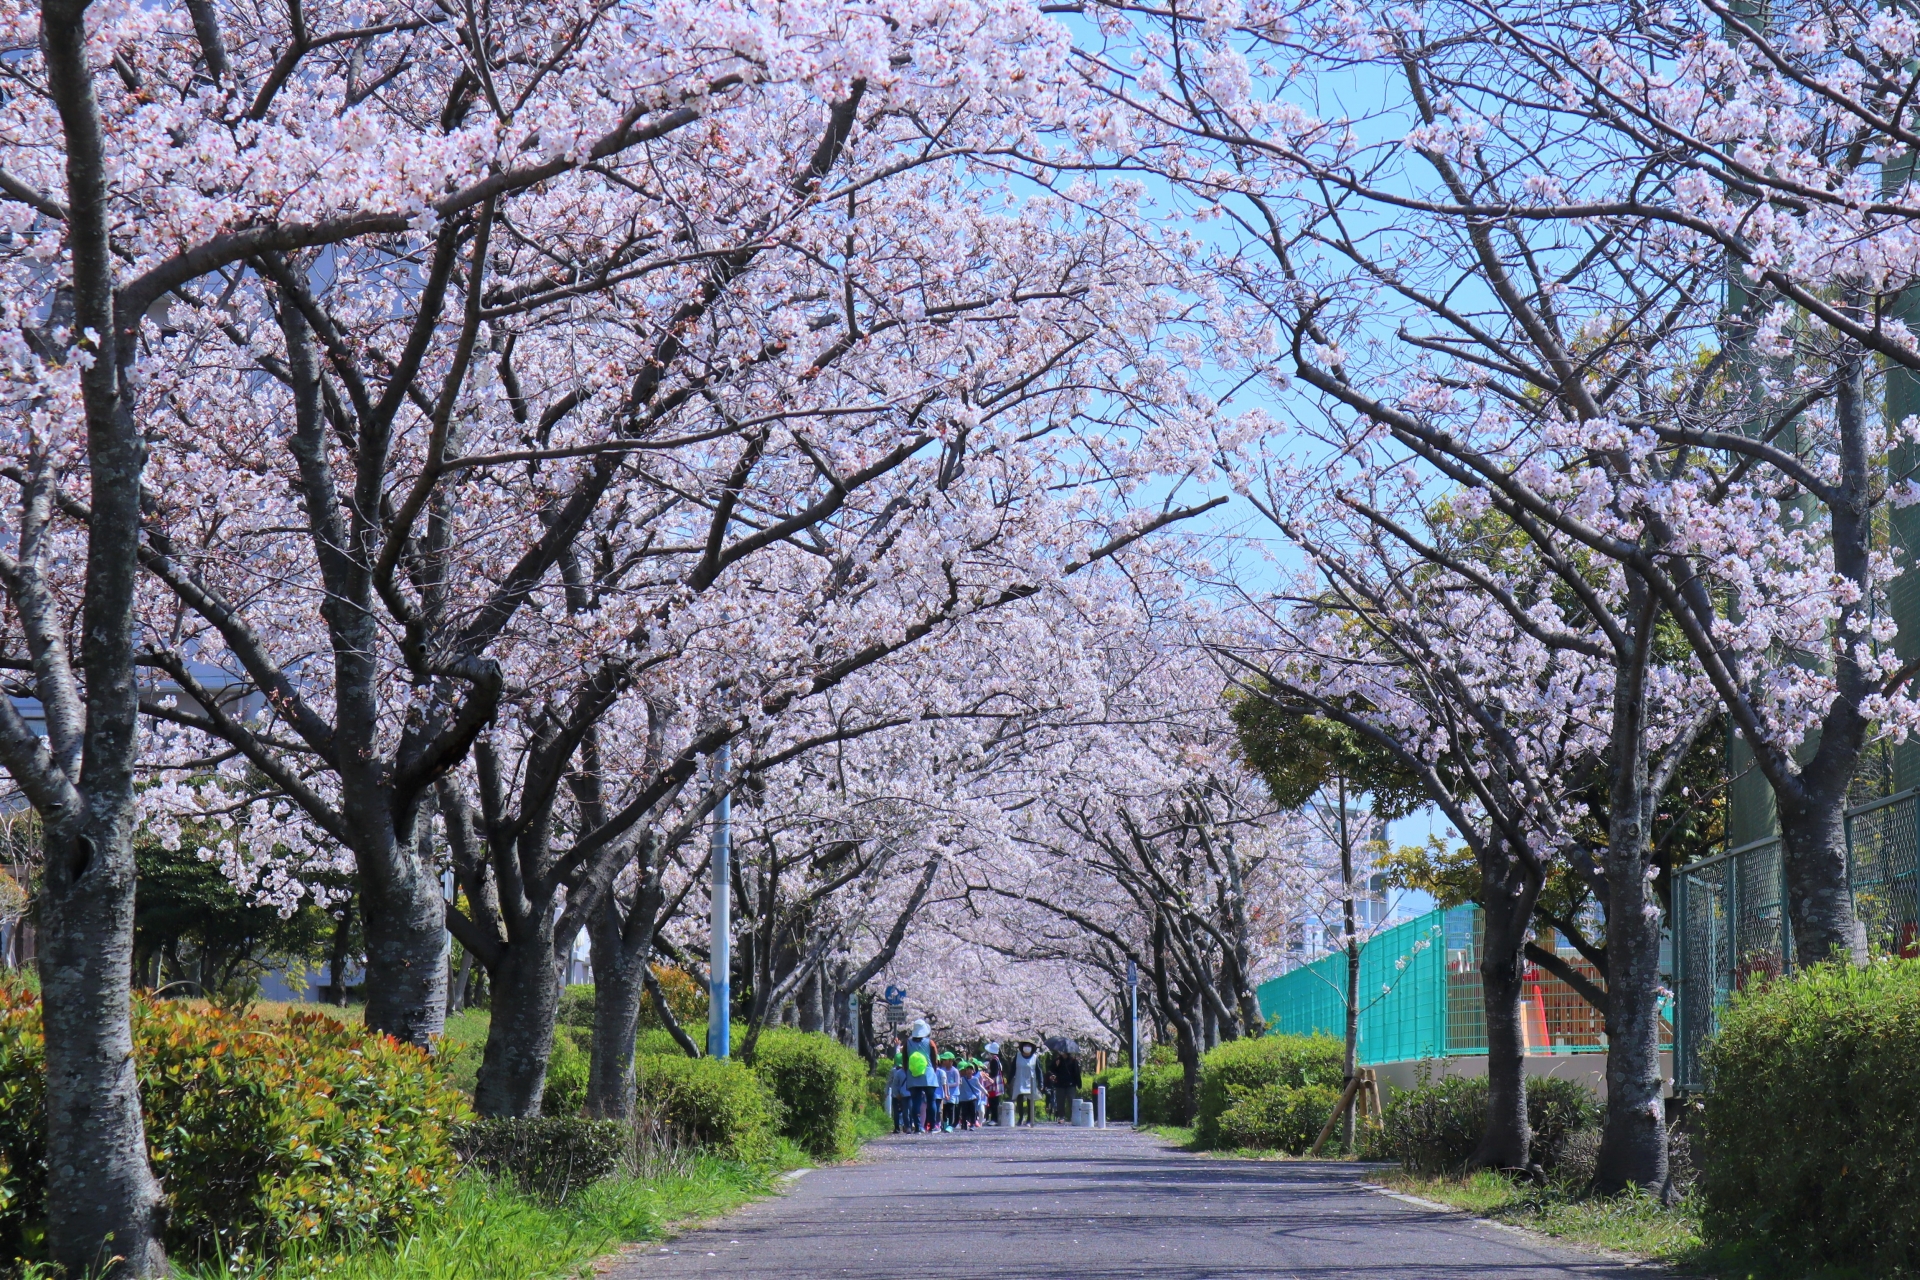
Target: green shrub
<point>1812,1117</point>
<point>576,1006</point>
<point>1119,1085</point>
<point>551,1156</point>
<point>1436,1127</point>
<point>1557,1110</point>
<point>660,1041</point>
<point>23,1143</point>
<point>264,1133</point>
<point>686,995</point>
<point>567,1070</point>
<point>1252,1065</point>
<point>716,1103</point>
<point>821,1086</point>
<point>1278,1117</point>
<point>1161,1095</point>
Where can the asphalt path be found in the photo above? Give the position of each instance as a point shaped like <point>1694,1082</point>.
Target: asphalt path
<point>1052,1201</point>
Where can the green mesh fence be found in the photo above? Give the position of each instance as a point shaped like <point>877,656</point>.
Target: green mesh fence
<point>1730,926</point>
<point>1731,918</point>
<point>1882,859</point>
<point>1420,996</point>
<point>1403,994</point>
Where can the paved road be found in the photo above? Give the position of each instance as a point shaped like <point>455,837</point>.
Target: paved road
<point>1058,1202</point>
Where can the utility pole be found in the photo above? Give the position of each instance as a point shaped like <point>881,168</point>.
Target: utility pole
<point>720,945</point>
<point>1133,1028</point>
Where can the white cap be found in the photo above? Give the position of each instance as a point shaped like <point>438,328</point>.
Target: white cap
<point>921,1030</point>
<point>993,1046</point>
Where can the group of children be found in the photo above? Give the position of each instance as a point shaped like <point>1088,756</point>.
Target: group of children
<point>930,1090</point>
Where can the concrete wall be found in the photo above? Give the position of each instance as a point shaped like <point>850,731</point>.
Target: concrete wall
<point>1588,1068</point>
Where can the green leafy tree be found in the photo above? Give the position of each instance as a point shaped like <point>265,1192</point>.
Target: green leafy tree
<point>194,932</point>
<point>1307,762</point>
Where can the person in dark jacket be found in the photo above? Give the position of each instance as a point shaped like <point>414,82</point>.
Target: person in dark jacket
<point>1064,1069</point>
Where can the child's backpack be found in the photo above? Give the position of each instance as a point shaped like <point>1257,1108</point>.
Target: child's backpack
<point>917,1064</point>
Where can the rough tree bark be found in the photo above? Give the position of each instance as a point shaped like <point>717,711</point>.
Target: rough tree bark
<point>1509,887</point>
<point>104,1206</point>
<point>1633,1145</point>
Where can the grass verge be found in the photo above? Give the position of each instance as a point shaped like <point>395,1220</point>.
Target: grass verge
<point>1179,1135</point>
<point>1633,1223</point>
<point>491,1231</point>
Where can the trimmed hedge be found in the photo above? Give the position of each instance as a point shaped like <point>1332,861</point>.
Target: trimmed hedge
<point>1249,1066</point>
<point>549,1156</point>
<point>821,1086</point>
<point>1812,1117</point>
<point>1436,1127</point>
<point>1159,1092</point>
<point>1277,1118</point>
<point>659,1042</point>
<point>717,1103</point>
<point>263,1132</point>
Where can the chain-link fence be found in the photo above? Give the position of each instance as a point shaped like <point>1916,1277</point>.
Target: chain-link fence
<point>1729,926</point>
<point>1730,916</point>
<point>1882,858</point>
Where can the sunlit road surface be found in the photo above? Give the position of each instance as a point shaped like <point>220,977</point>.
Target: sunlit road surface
<point>1052,1201</point>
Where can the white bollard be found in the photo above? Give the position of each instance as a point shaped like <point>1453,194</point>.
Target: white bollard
<point>1100,1106</point>
<point>1006,1115</point>
<point>1082,1114</point>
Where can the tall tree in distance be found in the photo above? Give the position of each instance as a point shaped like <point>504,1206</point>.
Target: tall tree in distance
<point>1307,761</point>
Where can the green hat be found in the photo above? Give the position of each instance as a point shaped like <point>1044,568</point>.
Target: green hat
<point>946,1055</point>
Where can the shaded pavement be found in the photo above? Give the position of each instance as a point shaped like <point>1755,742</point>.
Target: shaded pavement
<point>1059,1202</point>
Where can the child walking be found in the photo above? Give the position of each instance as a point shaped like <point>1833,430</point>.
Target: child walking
<point>970,1082</point>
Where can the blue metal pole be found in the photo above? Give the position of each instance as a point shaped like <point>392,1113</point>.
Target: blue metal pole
<point>720,947</point>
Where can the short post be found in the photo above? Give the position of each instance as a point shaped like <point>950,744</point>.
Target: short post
<point>1099,1106</point>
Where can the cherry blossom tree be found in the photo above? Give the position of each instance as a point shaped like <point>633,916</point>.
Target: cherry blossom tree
<point>1508,303</point>
<point>1575,190</point>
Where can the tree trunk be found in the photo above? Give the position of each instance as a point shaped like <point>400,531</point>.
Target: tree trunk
<point>526,998</point>
<point>457,989</point>
<point>1188,1104</point>
<point>1813,839</point>
<point>405,926</point>
<point>810,1012</point>
<point>104,1201</point>
<point>617,992</point>
<point>1507,910</point>
<point>622,950</point>
<point>1633,1143</point>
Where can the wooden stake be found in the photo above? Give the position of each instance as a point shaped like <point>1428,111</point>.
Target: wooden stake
<point>1339,1109</point>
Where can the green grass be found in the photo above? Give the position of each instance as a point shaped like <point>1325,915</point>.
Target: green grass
<point>873,1121</point>
<point>490,1231</point>
<point>1633,1223</point>
<point>1179,1135</point>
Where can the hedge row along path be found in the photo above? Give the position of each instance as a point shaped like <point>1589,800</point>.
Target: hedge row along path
<point>1087,1204</point>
